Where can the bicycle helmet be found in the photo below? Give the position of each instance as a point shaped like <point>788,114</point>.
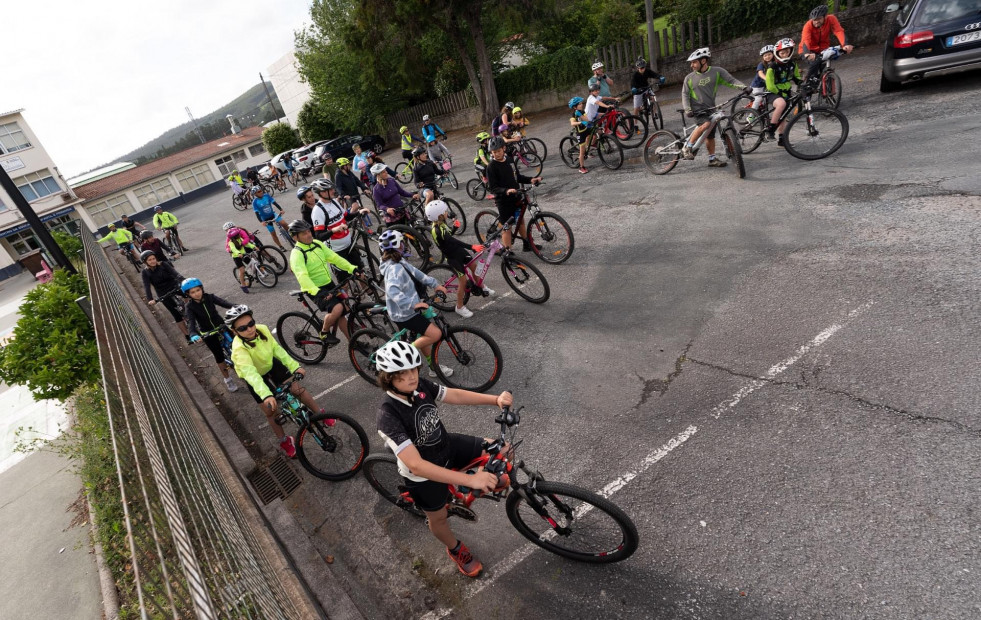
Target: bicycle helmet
<point>146,234</point>
<point>236,312</point>
<point>112,227</point>
<point>766,48</point>
<point>509,105</point>
<point>190,283</point>
<point>597,65</point>
<point>158,208</point>
<point>435,209</point>
<point>702,52</point>
<point>302,191</point>
<point>575,101</point>
<point>378,168</point>
<point>390,240</point>
<point>343,161</point>
<point>819,11</point>
<point>257,190</point>
<point>145,254</point>
<point>641,63</point>
<point>594,87</point>
<point>516,110</point>
<point>369,155</point>
<point>416,152</point>
<point>483,135</point>
<point>403,129</point>
<point>425,118</point>
<point>298,226</point>
<point>497,142</point>
<point>228,226</point>
<point>396,356</point>
<point>784,44</point>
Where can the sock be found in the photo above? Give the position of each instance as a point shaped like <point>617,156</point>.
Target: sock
<point>429,361</point>
<point>711,157</point>
<point>456,550</point>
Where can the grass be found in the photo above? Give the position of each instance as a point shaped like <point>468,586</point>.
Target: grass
<point>660,24</point>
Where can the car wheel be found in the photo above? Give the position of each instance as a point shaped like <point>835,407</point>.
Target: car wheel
<point>887,86</point>
<point>378,148</point>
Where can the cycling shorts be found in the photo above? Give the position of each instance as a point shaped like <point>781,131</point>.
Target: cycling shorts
<point>276,376</point>
<point>270,225</point>
<point>507,210</point>
<point>701,119</point>
<point>326,299</point>
<point>417,324</point>
<point>214,345</point>
<point>432,496</point>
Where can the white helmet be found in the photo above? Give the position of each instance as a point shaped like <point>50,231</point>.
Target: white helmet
<point>765,49</point>
<point>378,168</point>
<point>435,209</point>
<point>702,52</point>
<point>228,226</point>
<point>597,65</point>
<point>396,356</point>
<point>235,312</point>
<point>425,118</point>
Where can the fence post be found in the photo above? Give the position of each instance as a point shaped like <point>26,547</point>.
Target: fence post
<point>701,37</point>
<point>837,4</point>
<point>708,21</point>
<point>674,36</point>
<point>655,50</point>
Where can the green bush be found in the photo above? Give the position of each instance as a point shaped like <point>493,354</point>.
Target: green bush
<point>280,137</point>
<point>314,124</point>
<point>739,18</point>
<point>559,69</point>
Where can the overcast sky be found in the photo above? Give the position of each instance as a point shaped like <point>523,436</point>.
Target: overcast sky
<point>98,79</point>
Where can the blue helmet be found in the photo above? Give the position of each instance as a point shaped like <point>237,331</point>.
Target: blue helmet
<point>575,101</point>
<point>190,283</point>
<point>390,240</point>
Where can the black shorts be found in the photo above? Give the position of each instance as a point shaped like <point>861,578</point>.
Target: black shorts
<point>276,376</point>
<point>214,345</point>
<point>771,97</point>
<point>418,324</point>
<point>701,119</point>
<point>432,496</point>
<point>580,137</point>
<point>352,255</point>
<point>174,307</point>
<point>326,299</point>
<point>458,260</point>
<point>406,155</point>
<point>239,261</point>
<point>506,211</point>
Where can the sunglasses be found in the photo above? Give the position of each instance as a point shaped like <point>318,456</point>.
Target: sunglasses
<point>246,327</point>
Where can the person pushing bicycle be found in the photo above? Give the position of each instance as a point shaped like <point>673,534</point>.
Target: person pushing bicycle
<point>698,99</point>
<point>456,253</point>
<point>238,243</point>
<point>504,181</point>
<point>816,37</point>
<point>202,316</point>
<point>263,204</point>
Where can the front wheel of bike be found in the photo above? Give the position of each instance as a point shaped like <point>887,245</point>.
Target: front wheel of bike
<point>830,91</point>
<point>275,258</point>
<point>239,204</point>
<point>361,351</point>
<point>417,248</point>
<point>630,131</point>
<point>403,173</point>
<point>657,120</point>
<point>265,276</point>
<point>572,522</point>
<point>662,151</point>
<point>525,279</point>
<point>332,446</point>
<point>733,153</point>
<point>443,274</point>
<point>749,124</point>
<point>382,472</point>
<point>455,214</point>
<point>569,151</point>
<point>537,147</point>
<point>610,152</point>
<point>476,189</point>
<point>454,183</point>
<point>300,336</point>
<point>528,164</point>
<point>552,239</point>
<point>473,357</point>
<point>815,134</point>
<point>485,224</point>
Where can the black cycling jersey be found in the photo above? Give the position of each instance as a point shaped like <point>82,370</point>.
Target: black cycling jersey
<point>202,316</point>
<point>502,176</point>
<point>426,172</point>
<point>163,277</point>
<point>401,424</point>
<point>347,184</point>
<point>639,79</point>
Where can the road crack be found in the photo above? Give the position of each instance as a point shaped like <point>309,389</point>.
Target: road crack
<point>660,386</point>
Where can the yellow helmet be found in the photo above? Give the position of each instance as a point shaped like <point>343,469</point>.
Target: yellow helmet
<point>516,110</point>
<point>403,129</point>
<point>343,161</point>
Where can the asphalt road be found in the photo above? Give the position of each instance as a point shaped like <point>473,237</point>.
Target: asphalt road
<point>785,367</point>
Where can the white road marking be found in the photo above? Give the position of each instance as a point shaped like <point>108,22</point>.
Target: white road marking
<point>334,387</point>
<point>496,299</point>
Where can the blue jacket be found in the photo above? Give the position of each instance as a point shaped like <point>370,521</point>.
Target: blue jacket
<point>400,289</point>
<point>430,130</point>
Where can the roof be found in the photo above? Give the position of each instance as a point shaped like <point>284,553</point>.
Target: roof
<point>101,173</point>
<point>166,165</point>
<point>12,112</point>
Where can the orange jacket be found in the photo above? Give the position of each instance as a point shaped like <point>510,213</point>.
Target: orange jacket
<point>817,40</point>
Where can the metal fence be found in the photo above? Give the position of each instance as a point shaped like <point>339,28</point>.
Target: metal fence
<point>193,549</point>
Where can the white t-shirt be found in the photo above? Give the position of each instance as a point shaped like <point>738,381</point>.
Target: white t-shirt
<point>592,107</point>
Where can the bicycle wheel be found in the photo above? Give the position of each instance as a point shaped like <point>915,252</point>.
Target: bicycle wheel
<point>657,120</point>
<point>630,131</point>
<point>830,92</point>
<point>332,446</point>
<point>551,237</point>
<point>285,235</point>
<point>443,274</point>
<point>403,173</point>
<point>361,351</point>
<point>382,472</point>
<point>572,522</point>
<point>740,103</point>
<point>417,248</point>
<point>815,134</point>
<point>529,164</point>
<point>300,335</point>
<point>476,189</point>
<point>749,126</point>
<point>610,152</point>
<point>238,204</point>
<point>733,153</point>
<point>454,183</point>
<point>265,276</point>
<point>456,213</point>
<point>662,151</point>
<point>526,280</point>
<point>472,355</point>
<point>484,224</point>
<point>275,258</point>
<point>537,147</point>
<point>569,151</point>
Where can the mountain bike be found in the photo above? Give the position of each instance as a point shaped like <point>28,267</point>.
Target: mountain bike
<point>477,189</point>
<point>256,270</point>
<point>172,238</point>
<point>471,353</point>
<point>532,146</point>
<point>127,251</point>
<point>664,147</point>
<point>550,235</point>
<point>609,150</point>
<point>561,518</point>
<point>226,338</point>
<point>241,201</point>
<point>628,130</point>
<point>525,161</point>
<point>651,112</point>
<point>405,171</point>
<point>811,132</point>
<point>270,255</point>
<point>829,92</point>
<point>329,445</point>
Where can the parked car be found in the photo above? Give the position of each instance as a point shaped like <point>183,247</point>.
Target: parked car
<point>304,155</point>
<point>278,160</point>
<point>931,37</point>
<point>342,147</point>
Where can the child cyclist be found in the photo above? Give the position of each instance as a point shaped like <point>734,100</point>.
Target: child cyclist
<point>409,423</point>
<point>582,129</point>
<point>402,297</point>
<point>238,243</point>
<point>482,157</point>
<point>202,316</point>
<point>759,80</point>
<point>780,76</point>
<point>264,365</point>
<point>456,252</point>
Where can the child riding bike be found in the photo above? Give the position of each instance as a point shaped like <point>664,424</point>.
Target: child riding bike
<point>456,253</point>
<point>263,204</point>
<point>759,80</point>
<point>583,129</point>
<point>238,243</point>
<point>202,316</point>
<point>780,75</point>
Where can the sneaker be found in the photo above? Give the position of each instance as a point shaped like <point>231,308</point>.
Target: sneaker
<point>717,163</point>
<point>329,338</point>
<point>447,372</point>
<point>230,384</point>
<point>464,312</point>
<point>528,246</point>
<point>780,140</point>
<point>287,446</point>
<point>488,291</point>
<point>768,136</point>
<point>583,170</point>
<point>687,153</point>
<point>245,289</point>
<point>468,565</point>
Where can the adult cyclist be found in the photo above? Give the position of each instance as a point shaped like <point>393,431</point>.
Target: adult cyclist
<point>167,222</point>
<point>816,37</point>
<point>601,79</point>
<point>698,99</point>
<point>431,130</point>
<point>639,82</point>
<point>123,240</point>
<point>265,207</point>
<point>349,185</point>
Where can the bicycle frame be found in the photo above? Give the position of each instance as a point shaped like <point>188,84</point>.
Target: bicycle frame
<point>476,270</point>
<point>717,116</point>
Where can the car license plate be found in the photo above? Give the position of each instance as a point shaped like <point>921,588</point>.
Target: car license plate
<point>960,39</point>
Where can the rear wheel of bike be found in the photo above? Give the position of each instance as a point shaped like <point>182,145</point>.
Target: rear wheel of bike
<point>403,173</point>
<point>300,336</point>
<point>574,523</point>
<point>472,355</point>
<point>265,276</point>
<point>332,446</point>
<point>569,151</point>
<point>610,152</point>
<point>630,131</point>
<point>740,103</point>
<point>416,244</point>
<point>529,164</point>
<point>551,237</point>
<point>476,189</point>
<point>382,472</point>
<point>451,177</point>
<point>443,273</point>
<point>361,351</point>
<point>537,147</point>
<point>815,134</point>
<point>456,213</point>
<point>239,204</point>
<point>733,153</point>
<point>657,120</point>
<point>275,258</point>
<point>662,151</point>
<point>485,224</point>
<point>749,126</point>
<point>830,91</point>
<point>526,280</point>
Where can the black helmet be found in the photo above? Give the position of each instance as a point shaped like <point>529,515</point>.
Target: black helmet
<point>819,11</point>
<point>497,142</point>
<point>641,63</point>
<point>298,226</point>
<point>416,152</point>
<point>146,234</point>
<point>145,254</point>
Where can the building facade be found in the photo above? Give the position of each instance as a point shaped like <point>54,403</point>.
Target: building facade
<point>291,90</point>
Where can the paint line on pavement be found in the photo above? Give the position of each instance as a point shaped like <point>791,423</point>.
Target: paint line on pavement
<point>334,387</point>
<point>495,300</point>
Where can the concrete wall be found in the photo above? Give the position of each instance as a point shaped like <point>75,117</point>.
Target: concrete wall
<point>292,92</point>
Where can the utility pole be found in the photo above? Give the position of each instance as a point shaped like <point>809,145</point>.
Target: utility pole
<point>269,97</point>
<point>197,129</point>
<point>651,51</point>
<point>38,227</point>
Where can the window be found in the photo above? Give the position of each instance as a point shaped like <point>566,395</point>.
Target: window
<point>239,155</point>
<point>3,207</point>
<point>24,242</point>
<point>65,223</point>
<point>37,185</point>
<point>195,177</point>
<point>110,209</point>
<point>936,12</point>
<point>155,192</point>
<point>12,138</point>
<point>226,165</point>
<point>256,149</point>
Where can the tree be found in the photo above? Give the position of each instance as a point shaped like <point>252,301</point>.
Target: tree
<point>313,122</point>
<point>280,137</point>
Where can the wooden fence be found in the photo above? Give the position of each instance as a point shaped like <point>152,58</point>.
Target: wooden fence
<point>444,106</point>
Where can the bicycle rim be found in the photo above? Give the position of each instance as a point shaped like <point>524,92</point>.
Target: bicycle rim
<point>472,355</point>
<point>569,151</point>
<point>361,351</point>
<point>403,173</point>
<point>300,336</point>
<point>662,151</point>
<point>332,446</point>
<point>630,131</point>
<point>266,276</point>
<point>485,224</point>
<point>526,280</point>
<point>531,163</point>
<point>382,473</point>
<point>748,124</point>
<point>476,189</point>
<point>454,183</point>
<point>456,214</point>
<point>538,148</point>
<point>815,134</point>
<point>610,152</point>
<point>552,238</point>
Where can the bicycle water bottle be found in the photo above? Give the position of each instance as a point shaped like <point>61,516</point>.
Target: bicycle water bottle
<point>482,267</point>
<point>429,312</point>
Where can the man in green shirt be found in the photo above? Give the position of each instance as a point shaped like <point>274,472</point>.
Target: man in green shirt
<point>167,222</point>
<point>698,99</point>
<point>123,238</point>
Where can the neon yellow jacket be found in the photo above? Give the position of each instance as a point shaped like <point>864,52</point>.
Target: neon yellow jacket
<point>254,359</point>
<point>309,265</point>
<point>120,236</point>
<point>164,219</point>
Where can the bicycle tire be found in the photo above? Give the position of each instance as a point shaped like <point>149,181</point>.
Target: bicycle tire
<point>275,258</point>
<point>662,151</point>
<point>285,234</point>
<point>361,350</point>
<point>657,119</point>
<point>265,276</point>
<point>403,173</point>
<point>739,103</point>
<point>443,274</point>
<point>610,152</point>
<point>419,256</point>
<point>798,142</point>
<point>359,318</point>
<point>568,506</point>
<point>630,131</point>
<point>529,163</point>
<point>569,151</point>
<point>458,348</point>
<point>551,237</point>
<point>733,152</point>
<point>484,224</point>
<point>749,124</point>
<point>382,473</point>
<point>830,92</point>
<point>476,189</point>
<point>301,339</point>
<point>332,451</point>
<point>538,147</point>
<point>455,213</point>
<point>238,204</point>
<point>522,276</point>
<point>454,183</point>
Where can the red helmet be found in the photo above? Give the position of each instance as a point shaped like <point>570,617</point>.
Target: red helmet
<point>784,44</point>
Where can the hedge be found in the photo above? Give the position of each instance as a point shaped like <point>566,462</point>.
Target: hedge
<point>553,71</point>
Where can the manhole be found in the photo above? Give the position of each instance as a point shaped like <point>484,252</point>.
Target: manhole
<point>277,481</point>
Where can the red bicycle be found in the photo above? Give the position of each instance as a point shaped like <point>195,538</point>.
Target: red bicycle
<point>629,130</point>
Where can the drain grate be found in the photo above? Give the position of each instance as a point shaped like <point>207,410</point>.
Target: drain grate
<point>277,481</point>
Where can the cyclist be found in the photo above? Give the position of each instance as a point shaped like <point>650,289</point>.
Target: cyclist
<point>123,239</point>
<point>502,119</point>
<point>438,153</point>
<point>164,279</point>
<point>407,139</point>
<point>330,167</point>
<point>372,160</point>
<point>290,164</point>
<point>309,261</point>
<point>263,204</point>
<point>330,224</point>
<point>816,37</point>
<point>166,221</point>
<point>236,182</point>
<point>430,130</point>
<point>130,224</point>
<point>639,80</point>
<point>698,99</point>
<point>426,173</point>
<point>349,186</point>
<point>779,77</point>
<point>253,176</point>
<point>403,284</point>
<point>601,79</point>
<point>456,253</point>
<point>202,316</point>
<point>238,242</point>
<point>307,200</point>
<point>759,80</point>
<point>264,365</point>
<point>504,181</point>
<point>276,179</point>
<point>387,194</point>
<point>583,129</point>
<point>149,242</point>
<point>595,103</point>
<point>409,423</point>
<point>518,123</point>
<point>482,158</point>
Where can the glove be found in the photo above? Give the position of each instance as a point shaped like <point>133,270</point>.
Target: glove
<point>195,338</point>
<point>477,248</point>
<point>457,224</point>
<point>661,80</point>
<point>634,91</point>
<point>358,273</point>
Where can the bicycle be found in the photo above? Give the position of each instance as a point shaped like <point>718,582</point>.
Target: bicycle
<point>520,276</point>
<point>822,131</point>
<point>456,213</point>
<point>651,111</point>
<point>281,229</point>
<point>622,126</point>
<point>532,146</point>
<point>170,236</point>
<point>471,353</point>
<point>256,270</point>
<point>609,150</point>
<point>226,338</point>
<point>525,161</point>
<point>271,255</point>
<point>338,445</point>
<point>663,148</point>
<point>477,189</point>
<point>561,518</point>
<point>127,251</point>
<point>241,201</point>
<point>550,235</point>
<point>405,171</point>
<point>829,92</point>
